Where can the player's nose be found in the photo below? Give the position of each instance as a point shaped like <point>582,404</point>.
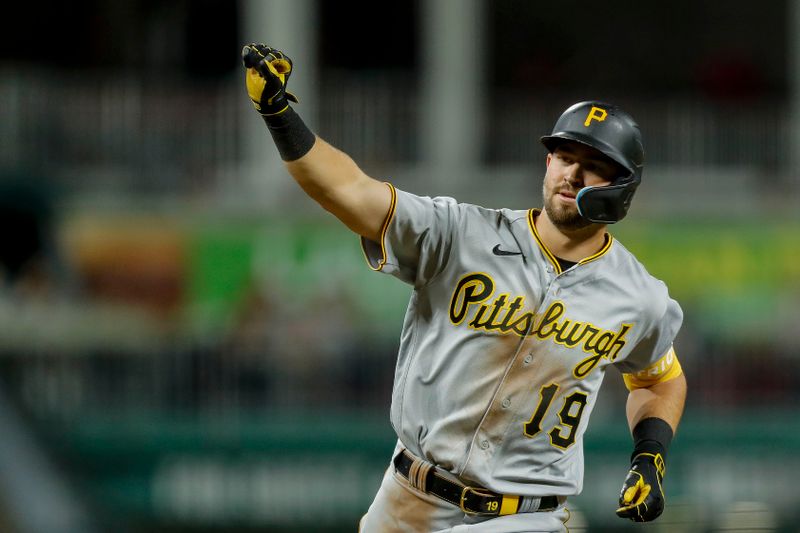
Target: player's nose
<point>573,174</point>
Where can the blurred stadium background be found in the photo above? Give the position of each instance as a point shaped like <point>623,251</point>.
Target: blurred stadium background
<point>189,344</point>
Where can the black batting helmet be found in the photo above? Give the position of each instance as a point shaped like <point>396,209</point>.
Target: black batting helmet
<point>613,132</point>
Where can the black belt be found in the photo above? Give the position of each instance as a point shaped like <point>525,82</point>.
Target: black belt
<point>471,500</point>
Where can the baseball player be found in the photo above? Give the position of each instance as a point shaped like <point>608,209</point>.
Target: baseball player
<point>514,318</point>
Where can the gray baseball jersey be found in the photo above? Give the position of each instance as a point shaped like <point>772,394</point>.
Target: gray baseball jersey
<point>501,353</point>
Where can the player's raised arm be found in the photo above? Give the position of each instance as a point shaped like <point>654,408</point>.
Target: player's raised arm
<point>326,174</point>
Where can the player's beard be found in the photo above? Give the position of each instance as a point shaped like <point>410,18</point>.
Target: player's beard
<point>563,216</point>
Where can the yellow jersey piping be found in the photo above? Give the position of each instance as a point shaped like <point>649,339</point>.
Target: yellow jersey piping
<point>545,250</point>
<point>387,220</point>
<point>552,258</point>
<point>606,247</point>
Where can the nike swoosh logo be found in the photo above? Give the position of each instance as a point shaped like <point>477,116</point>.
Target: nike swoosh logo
<point>497,251</point>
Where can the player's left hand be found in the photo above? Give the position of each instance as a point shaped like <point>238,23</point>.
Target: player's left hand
<point>642,497</point>
<point>268,72</point>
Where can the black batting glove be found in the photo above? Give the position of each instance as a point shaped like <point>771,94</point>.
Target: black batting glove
<point>642,496</point>
<point>268,73</point>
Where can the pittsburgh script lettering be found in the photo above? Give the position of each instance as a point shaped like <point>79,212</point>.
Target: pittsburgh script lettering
<point>505,315</point>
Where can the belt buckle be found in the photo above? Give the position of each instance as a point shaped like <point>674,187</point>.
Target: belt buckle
<point>478,492</point>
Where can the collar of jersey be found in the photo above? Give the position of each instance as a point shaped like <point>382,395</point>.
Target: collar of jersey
<point>532,214</point>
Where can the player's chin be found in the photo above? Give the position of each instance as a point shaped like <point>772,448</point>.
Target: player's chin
<point>565,216</point>
<point>558,209</point>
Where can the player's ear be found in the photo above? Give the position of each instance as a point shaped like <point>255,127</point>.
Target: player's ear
<point>547,161</point>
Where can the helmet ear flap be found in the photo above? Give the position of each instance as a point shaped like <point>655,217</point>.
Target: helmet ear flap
<point>606,205</point>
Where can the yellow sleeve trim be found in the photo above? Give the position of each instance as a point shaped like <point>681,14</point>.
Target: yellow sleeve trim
<point>665,369</point>
<point>387,220</point>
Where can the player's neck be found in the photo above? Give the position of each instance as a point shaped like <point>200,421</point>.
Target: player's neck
<point>572,245</point>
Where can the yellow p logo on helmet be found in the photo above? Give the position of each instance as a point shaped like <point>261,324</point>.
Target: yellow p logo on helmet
<point>595,113</point>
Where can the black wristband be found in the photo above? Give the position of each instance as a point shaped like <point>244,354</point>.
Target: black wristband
<point>651,435</point>
<point>291,135</point>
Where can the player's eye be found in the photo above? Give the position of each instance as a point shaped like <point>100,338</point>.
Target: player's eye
<point>601,169</point>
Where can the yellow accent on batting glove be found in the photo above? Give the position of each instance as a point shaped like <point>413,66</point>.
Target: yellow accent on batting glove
<point>642,496</point>
<point>268,73</point>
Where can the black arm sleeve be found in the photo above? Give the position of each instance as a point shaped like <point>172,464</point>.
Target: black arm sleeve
<point>291,135</point>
